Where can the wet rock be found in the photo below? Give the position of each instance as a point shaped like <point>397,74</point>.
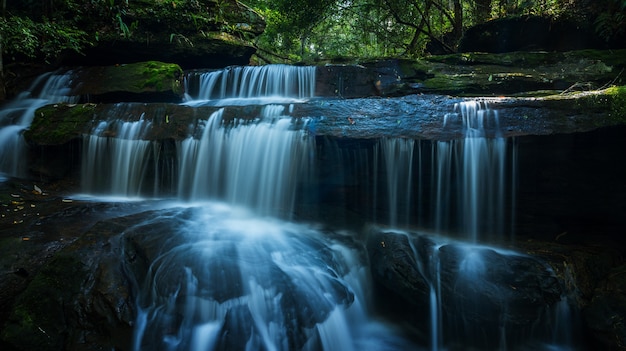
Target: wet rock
<point>416,116</point>
<point>606,314</point>
<point>168,270</point>
<point>345,81</point>
<point>65,303</point>
<point>473,289</point>
<point>88,294</point>
<point>150,81</point>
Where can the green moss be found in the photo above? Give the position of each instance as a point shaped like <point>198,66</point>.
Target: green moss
<point>608,104</point>
<point>38,320</point>
<point>512,59</point>
<point>615,58</point>
<point>141,77</point>
<point>59,123</point>
<point>618,102</point>
<point>159,75</point>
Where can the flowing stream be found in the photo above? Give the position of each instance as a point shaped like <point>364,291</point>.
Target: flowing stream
<point>17,115</point>
<point>231,269</point>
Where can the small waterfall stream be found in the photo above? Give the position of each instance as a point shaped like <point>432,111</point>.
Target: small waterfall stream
<point>257,164</point>
<point>18,114</point>
<point>472,185</point>
<point>119,166</point>
<point>251,85</point>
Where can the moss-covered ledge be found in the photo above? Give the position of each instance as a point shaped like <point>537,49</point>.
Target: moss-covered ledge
<point>560,113</point>
<point>59,123</point>
<point>142,81</point>
<point>525,73</point>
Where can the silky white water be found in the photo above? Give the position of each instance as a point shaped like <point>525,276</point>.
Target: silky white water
<point>251,85</point>
<point>254,164</point>
<point>17,116</point>
<point>119,166</point>
<point>227,279</point>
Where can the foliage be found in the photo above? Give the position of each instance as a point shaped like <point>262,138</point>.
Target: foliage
<point>297,30</point>
<point>611,21</point>
<point>22,37</point>
<point>413,28</point>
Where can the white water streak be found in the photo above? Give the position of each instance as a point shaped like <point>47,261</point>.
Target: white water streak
<point>17,116</point>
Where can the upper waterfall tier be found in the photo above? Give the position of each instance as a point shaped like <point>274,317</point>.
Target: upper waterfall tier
<point>251,85</point>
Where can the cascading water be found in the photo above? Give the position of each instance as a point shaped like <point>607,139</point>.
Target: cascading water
<point>480,163</point>
<point>397,157</point>
<point>16,116</point>
<point>222,279</point>
<point>472,185</point>
<point>471,179</point>
<point>218,276</point>
<point>118,166</point>
<point>251,85</point>
<point>254,164</point>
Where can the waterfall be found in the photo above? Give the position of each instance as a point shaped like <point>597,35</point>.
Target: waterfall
<point>220,271</point>
<point>222,279</point>
<point>470,181</point>
<point>481,163</point>
<point>396,155</point>
<point>17,115</point>
<point>119,164</point>
<point>472,175</point>
<point>254,164</point>
<point>251,85</point>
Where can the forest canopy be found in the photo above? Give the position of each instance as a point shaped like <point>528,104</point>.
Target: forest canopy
<point>299,30</point>
<point>310,30</point>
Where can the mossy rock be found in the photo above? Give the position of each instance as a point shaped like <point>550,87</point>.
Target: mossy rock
<point>612,99</point>
<point>511,59</point>
<point>37,321</point>
<point>516,73</point>
<point>150,81</point>
<point>59,123</point>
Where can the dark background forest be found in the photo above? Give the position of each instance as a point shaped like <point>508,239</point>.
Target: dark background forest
<point>309,31</point>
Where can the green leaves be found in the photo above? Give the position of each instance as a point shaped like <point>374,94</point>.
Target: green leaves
<point>23,37</point>
<point>611,22</point>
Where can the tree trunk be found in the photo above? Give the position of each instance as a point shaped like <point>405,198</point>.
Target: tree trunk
<point>458,21</point>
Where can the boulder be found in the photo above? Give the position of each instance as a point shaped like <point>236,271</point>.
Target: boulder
<point>469,291</point>
<point>605,315</point>
<point>479,289</point>
<point>149,81</point>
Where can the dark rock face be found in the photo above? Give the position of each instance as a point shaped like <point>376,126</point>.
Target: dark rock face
<point>606,314</point>
<point>89,294</point>
<point>475,290</point>
<point>205,53</point>
<point>66,302</point>
<point>531,33</point>
<point>150,81</point>
<point>347,81</point>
